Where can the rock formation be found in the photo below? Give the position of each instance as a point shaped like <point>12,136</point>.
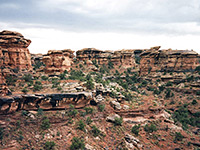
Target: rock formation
<point>155,60</point>
<point>58,60</point>
<point>13,51</point>
<point>125,58</point>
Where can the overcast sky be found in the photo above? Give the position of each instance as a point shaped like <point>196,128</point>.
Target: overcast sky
<point>104,24</point>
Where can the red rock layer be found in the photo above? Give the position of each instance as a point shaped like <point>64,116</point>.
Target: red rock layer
<point>13,51</point>
<point>58,60</point>
<point>155,60</point>
<point>125,58</point>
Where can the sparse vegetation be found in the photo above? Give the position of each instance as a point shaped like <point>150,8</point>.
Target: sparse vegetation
<point>77,144</point>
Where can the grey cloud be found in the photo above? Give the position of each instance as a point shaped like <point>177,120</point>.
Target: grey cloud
<point>152,16</point>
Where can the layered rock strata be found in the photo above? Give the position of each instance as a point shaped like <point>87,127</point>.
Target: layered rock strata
<point>13,51</point>
<point>125,58</point>
<point>58,60</point>
<point>155,60</point>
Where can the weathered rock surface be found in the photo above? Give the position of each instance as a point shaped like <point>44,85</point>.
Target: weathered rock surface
<point>155,60</point>
<point>58,60</point>
<point>13,51</point>
<point>112,117</point>
<point>124,58</point>
<point>44,101</point>
<point>133,140</point>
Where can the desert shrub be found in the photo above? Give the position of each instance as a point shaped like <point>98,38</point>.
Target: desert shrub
<point>118,121</point>
<point>24,90</point>
<point>81,125</point>
<point>128,96</point>
<point>89,84</point>
<point>80,66</point>
<point>169,83</point>
<point>110,65</point>
<point>24,113</point>
<point>183,116</point>
<point>77,144</point>
<point>40,112</point>
<point>37,86</point>
<point>72,111</point>
<point>49,145</point>
<point>198,92</point>
<point>178,136</point>
<point>10,79</point>
<point>95,131</point>
<point>135,129</point>
<point>1,133</point>
<point>101,107</point>
<point>44,78</point>
<point>88,120</point>
<point>168,93</point>
<point>88,110</point>
<point>62,76</point>
<point>197,68</point>
<point>77,75</point>
<point>150,128</point>
<point>194,102</point>
<point>55,82</point>
<point>28,78</point>
<point>38,64</point>
<point>45,123</point>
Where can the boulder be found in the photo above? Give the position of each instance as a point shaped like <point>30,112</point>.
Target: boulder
<point>111,117</point>
<point>115,105</point>
<point>133,140</point>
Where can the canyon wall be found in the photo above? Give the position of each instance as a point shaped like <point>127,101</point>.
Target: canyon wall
<point>58,60</point>
<point>13,51</point>
<point>155,60</point>
<point>124,58</point>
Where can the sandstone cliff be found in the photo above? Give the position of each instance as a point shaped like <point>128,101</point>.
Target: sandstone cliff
<point>125,58</point>
<point>58,60</point>
<point>13,50</point>
<point>155,60</point>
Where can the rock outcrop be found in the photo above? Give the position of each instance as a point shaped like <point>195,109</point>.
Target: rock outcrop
<point>124,58</point>
<point>58,60</point>
<point>155,60</point>
<point>13,51</point>
<point>44,101</point>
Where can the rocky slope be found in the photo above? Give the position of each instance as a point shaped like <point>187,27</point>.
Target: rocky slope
<point>128,99</point>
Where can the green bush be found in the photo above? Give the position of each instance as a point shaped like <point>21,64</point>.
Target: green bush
<point>101,107</point>
<point>178,136</point>
<point>150,128</point>
<point>81,125</point>
<point>88,120</point>
<point>194,102</point>
<point>24,90</point>
<point>169,83</point>
<point>28,78</point>
<point>72,111</point>
<point>77,75</point>
<point>88,110</point>
<point>135,129</point>
<point>89,84</point>
<point>1,133</point>
<point>10,79</point>
<point>45,123</point>
<point>49,145</point>
<point>118,121</point>
<point>45,78</point>
<point>77,144</point>
<point>95,131</point>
